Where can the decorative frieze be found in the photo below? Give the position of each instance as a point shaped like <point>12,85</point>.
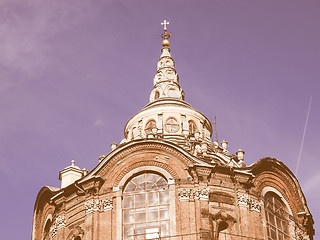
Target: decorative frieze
<point>107,204</point>
<point>244,200</point>
<point>95,205</point>
<point>187,194</point>
<point>184,194</point>
<point>60,222</point>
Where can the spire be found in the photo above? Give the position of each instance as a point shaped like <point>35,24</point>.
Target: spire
<point>166,80</point>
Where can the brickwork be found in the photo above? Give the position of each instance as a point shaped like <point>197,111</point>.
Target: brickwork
<point>208,200</point>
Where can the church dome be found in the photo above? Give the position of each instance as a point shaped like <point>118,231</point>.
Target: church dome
<point>168,117</point>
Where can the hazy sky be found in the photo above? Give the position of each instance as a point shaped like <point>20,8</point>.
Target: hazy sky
<point>72,72</point>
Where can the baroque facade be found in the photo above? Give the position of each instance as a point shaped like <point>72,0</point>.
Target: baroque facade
<point>168,180</point>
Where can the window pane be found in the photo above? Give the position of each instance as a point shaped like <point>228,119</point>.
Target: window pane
<point>140,231</point>
<point>128,216</point>
<point>162,184</point>
<point>280,236</point>
<point>164,197</point>
<point>130,187</point>
<point>164,228</point>
<point>140,215</point>
<point>279,223</point>
<point>140,200</point>
<point>128,231</point>
<point>164,212</point>
<point>128,201</point>
<point>154,225</point>
<point>153,198</point>
<point>153,214</point>
<point>271,219</point>
<point>273,233</point>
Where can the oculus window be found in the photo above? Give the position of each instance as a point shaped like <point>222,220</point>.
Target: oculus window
<point>172,125</point>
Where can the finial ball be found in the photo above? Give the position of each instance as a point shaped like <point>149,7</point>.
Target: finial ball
<point>165,43</point>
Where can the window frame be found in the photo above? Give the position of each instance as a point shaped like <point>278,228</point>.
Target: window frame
<point>270,190</point>
<point>119,195</point>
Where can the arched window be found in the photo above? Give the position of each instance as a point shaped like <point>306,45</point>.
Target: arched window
<point>156,95</point>
<point>276,217</point>
<point>146,207</point>
<point>192,127</point>
<point>77,238</point>
<point>150,124</point>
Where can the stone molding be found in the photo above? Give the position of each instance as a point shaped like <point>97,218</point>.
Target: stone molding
<point>95,205</point>
<point>244,200</point>
<point>198,193</point>
<point>60,222</point>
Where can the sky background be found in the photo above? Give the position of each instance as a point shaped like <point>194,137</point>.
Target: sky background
<point>72,72</point>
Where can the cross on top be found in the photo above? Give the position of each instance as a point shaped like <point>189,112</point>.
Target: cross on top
<point>164,23</point>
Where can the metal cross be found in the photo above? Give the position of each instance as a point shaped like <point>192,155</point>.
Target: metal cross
<point>165,24</point>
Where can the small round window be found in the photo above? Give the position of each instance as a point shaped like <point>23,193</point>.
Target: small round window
<point>172,125</point>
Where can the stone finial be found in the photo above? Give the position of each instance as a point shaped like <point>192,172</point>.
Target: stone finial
<point>85,171</point>
<point>224,144</point>
<point>113,146</point>
<point>101,157</point>
<point>240,154</point>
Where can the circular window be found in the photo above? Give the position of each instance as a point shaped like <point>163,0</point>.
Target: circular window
<point>172,125</point>
<point>150,124</point>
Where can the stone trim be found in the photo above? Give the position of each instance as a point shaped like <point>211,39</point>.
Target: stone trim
<point>197,193</point>
<point>60,222</point>
<point>95,205</point>
<point>164,166</point>
<point>244,200</point>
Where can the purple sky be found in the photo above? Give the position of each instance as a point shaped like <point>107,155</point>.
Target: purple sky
<point>72,72</point>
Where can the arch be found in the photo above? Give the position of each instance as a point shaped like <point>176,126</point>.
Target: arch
<point>77,238</point>
<point>128,212</point>
<point>46,229</point>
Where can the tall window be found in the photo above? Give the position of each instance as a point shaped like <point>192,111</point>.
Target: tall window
<point>277,217</point>
<point>192,127</point>
<point>156,95</point>
<point>145,206</point>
